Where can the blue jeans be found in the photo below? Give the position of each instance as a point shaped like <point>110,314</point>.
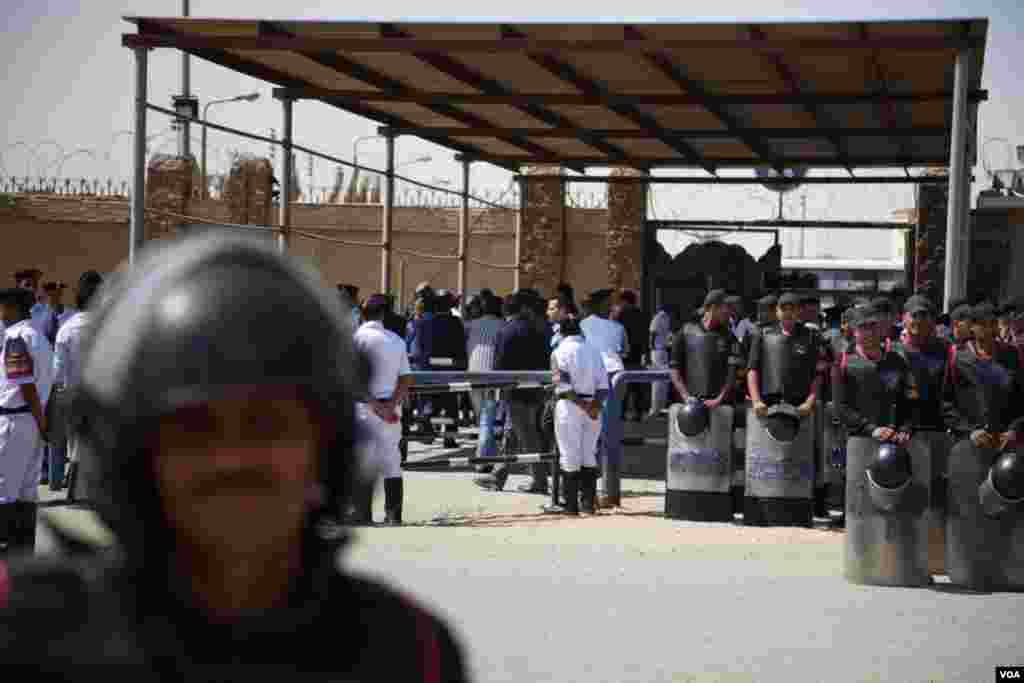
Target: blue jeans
<point>611,406</point>
<point>488,444</point>
<point>57,455</point>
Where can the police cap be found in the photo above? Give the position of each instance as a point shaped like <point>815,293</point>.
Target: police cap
<point>715,297</point>
<point>810,299</point>
<point>790,299</point>
<point>599,296</point>
<point>983,311</point>
<point>768,300</point>
<point>919,304</point>
<point>961,312</point>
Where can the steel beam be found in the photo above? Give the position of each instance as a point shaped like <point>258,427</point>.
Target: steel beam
<point>957,245</point>
<point>693,180</point>
<point>464,74</point>
<point>137,229</point>
<point>721,162</point>
<point>463,231</point>
<point>285,221</point>
<point>640,134</point>
<point>388,217</point>
<point>594,99</point>
<point>531,45</point>
<point>568,73</point>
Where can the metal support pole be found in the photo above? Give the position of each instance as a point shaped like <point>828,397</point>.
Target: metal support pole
<point>970,141</point>
<point>286,177</point>
<point>956,244</point>
<point>517,276</point>
<point>388,217</point>
<point>464,230</point>
<point>184,141</point>
<point>137,229</point>
<point>202,163</point>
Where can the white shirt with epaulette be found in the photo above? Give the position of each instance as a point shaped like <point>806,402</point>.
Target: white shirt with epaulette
<point>26,358</point>
<point>387,355</point>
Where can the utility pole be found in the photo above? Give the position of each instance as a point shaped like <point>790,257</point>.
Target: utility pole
<point>184,139</point>
<point>803,230</point>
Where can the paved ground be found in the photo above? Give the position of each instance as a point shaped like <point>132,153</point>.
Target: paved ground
<point>630,596</point>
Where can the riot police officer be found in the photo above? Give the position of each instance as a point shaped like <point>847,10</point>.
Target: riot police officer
<point>219,451</point>
<point>984,412</point>
<point>785,371</point>
<point>926,360</point>
<point>705,356</point>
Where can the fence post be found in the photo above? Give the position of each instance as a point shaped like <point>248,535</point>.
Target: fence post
<point>285,217</point>
<point>388,214</point>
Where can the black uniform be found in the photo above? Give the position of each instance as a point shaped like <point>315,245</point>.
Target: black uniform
<point>985,394</point>
<point>870,394</point>
<point>130,614</point>
<point>927,372</point>
<point>787,365</point>
<point>707,359</point>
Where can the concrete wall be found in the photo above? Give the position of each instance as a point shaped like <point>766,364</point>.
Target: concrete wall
<point>64,236</point>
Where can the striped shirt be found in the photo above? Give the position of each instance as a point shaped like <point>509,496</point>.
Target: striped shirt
<point>481,335</point>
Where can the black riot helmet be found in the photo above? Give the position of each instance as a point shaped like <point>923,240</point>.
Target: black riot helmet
<point>195,320</point>
<point>782,422</point>
<point>891,467</point>
<point>693,418</point>
<point>1008,475</point>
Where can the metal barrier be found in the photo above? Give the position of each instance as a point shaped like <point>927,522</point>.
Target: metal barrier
<point>444,382</point>
<point>611,466</point>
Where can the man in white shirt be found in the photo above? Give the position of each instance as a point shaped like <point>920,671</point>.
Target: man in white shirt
<point>609,338</point>
<point>67,366</point>
<point>379,413</point>
<point>581,385</point>
<point>25,380</point>
<point>660,330</point>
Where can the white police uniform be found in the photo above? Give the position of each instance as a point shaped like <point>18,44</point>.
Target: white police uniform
<point>581,370</point>
<point>26,358</point>
<point>67,363</point>
<point>379,448</point>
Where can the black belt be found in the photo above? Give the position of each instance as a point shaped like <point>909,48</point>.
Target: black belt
<point>572,395</point>
<point>15,411</point>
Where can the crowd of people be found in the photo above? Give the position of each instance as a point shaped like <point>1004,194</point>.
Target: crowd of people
<point>526,331</point>
<point>40,364</point>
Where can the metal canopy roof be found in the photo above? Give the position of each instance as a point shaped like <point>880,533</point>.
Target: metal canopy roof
<point>710,96</point>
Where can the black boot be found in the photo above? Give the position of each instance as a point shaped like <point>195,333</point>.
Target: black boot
<point>70,480</point>
<point>495,481</point>
<point>571,483</point>
<point>360,512</point>
<point>538,479</point>
<point>8,528</point>
<point>588,490</point>
<point>26,530</point>
<point>393,491</point>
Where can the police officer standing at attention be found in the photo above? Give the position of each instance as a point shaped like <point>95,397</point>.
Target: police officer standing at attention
<point>705,356</point>
<point>581,386</point>
<point>987,397</point>
<point>785,369</point>
<point>218,468</point>
<point>379,414</point>
<point>785,362</point>
<point>26,363</point>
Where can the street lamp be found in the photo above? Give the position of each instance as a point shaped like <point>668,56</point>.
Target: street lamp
<point>251,97</point>
<point>418,160</point>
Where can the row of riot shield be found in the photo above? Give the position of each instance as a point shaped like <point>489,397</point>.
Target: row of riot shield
<point>958,511</point>
<point>765,468</point>
<point>953,509</point>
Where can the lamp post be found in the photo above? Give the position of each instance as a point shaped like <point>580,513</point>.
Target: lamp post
<point>251,97</point>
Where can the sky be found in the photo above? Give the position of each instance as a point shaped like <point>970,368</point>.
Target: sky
<point>71,86</point>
